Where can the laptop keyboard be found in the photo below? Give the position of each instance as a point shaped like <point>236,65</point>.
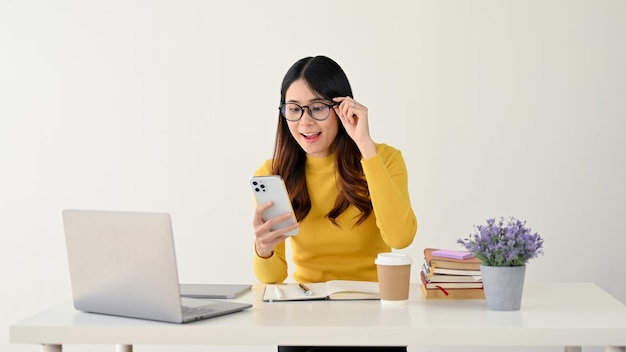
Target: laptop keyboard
<point>198,310</point>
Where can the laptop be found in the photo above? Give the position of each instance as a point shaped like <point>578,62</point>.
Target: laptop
<point>124,264</point>
<point>223,291</point>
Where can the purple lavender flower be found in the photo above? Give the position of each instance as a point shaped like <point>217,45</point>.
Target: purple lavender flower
<point>502,243</point>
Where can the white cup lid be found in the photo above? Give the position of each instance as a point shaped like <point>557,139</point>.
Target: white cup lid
<point>391,258</point>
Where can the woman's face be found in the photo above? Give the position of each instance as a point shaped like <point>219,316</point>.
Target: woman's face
<point>314,137</point>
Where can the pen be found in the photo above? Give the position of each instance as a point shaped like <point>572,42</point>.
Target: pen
<point>307,291</point>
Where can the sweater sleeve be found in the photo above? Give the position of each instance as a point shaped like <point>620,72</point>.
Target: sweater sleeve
<point>387,180</point>
<point>274,268</point>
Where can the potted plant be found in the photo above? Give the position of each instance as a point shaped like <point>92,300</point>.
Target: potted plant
<point>504,247</point>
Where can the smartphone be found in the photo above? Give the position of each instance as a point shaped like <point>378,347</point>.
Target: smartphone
<point>272,188</point>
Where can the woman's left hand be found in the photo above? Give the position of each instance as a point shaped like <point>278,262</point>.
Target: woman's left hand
<point>353,116</point>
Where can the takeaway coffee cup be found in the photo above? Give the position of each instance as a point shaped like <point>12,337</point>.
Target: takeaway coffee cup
<point>394,271</point>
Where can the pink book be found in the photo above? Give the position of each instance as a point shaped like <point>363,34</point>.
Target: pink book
<point>447,253</point>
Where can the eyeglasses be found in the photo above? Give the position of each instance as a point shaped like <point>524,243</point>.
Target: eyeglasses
<point>293,112</point>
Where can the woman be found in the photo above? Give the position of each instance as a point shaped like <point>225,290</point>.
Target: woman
<point>349,194</point>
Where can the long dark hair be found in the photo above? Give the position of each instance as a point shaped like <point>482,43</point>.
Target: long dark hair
<point>326,79</point>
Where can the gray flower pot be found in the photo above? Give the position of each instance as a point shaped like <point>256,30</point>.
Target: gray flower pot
<point>503,286</point>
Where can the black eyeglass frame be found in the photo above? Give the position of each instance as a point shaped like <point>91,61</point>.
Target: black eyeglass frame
<point>280,109</point>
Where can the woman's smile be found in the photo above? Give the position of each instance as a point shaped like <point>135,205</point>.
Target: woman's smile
<point>311,137</point>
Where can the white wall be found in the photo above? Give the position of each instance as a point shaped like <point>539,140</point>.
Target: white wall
<point>500,108</point>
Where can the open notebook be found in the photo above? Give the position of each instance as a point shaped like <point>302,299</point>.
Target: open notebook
<point>330,290</point>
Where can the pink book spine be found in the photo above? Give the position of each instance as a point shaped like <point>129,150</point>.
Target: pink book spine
<point>446,253</point>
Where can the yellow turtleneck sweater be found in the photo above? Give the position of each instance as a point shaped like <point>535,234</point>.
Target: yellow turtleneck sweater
<point>322,251</point>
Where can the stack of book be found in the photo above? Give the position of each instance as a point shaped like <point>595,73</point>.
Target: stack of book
<point>448,274</point>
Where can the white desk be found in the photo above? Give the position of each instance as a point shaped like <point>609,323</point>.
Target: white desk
<point>559,314</point>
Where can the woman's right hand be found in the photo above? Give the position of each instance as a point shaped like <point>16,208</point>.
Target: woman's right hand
<point>265,239</point>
